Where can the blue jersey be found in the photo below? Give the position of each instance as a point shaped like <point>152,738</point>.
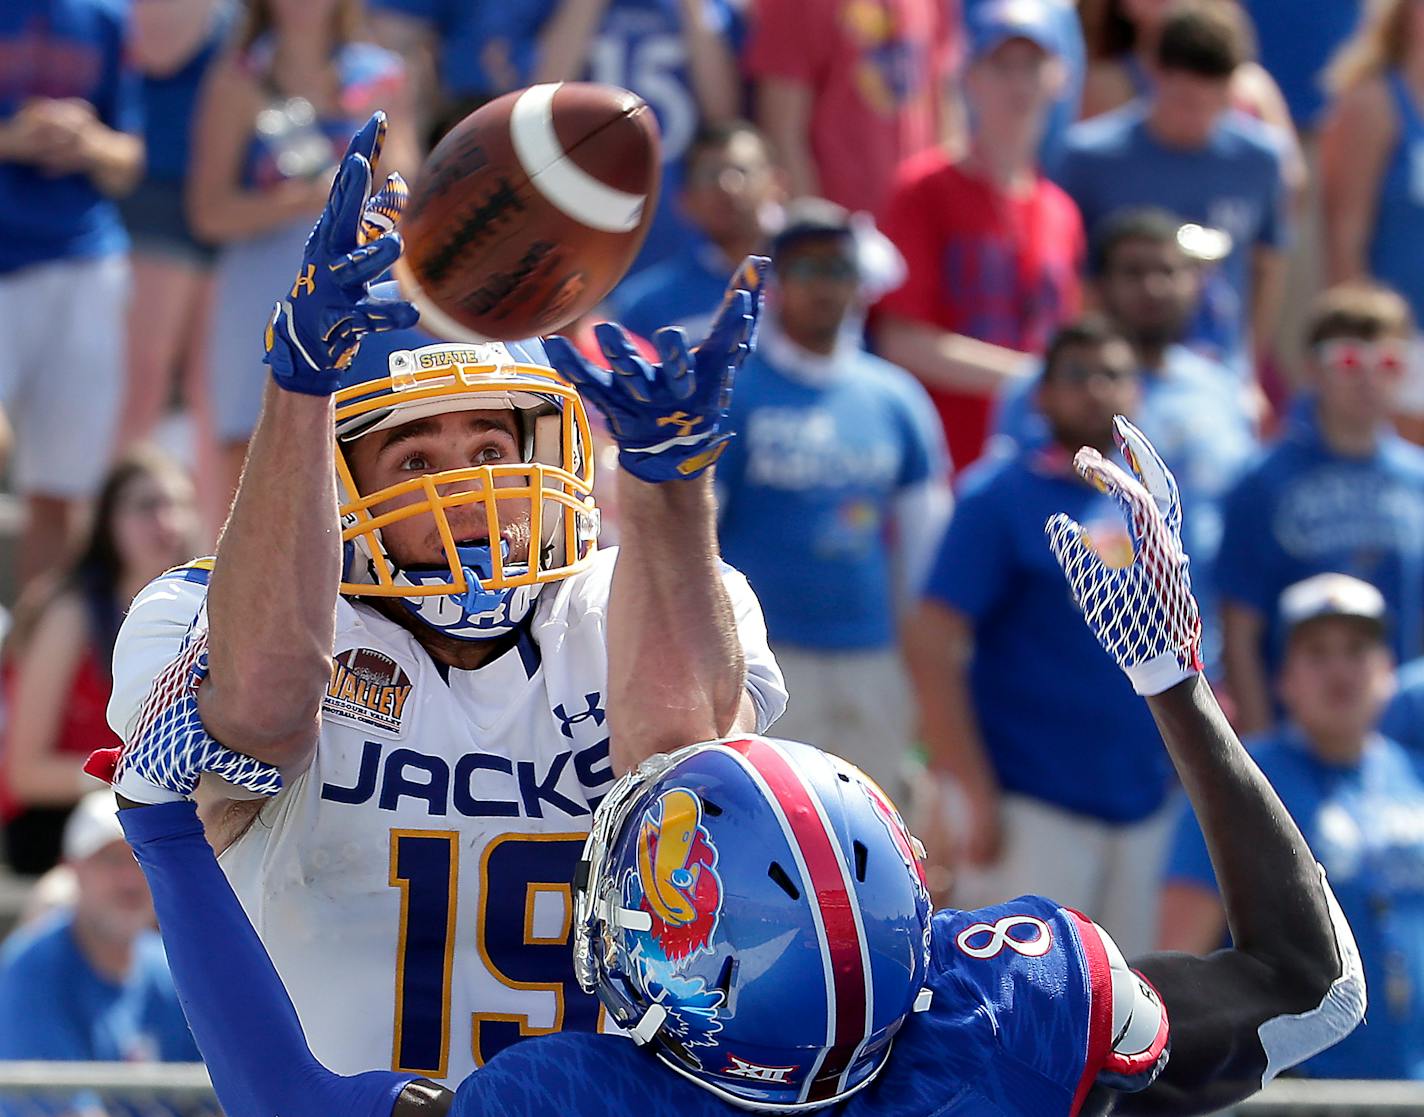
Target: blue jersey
<point>1085,742</point>
<point>484,48</point>
<point>1399,207</point>
<point>59,49</point>
<point>1296,43</point>
<point>1363,823</point>
<point>54,1006</point>
<point>683,290</point>
<point>1021,1021</point>
<point>1403,718</point>
<point>1303,509</point>
<point>1233,183</point>
<point>807,488</point>
<point>1192,411</point>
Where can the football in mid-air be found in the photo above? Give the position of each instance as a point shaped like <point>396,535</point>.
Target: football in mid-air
<point>530,210</point>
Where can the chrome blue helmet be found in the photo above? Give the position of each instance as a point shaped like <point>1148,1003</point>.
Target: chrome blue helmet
<point>542,504</point>
<point>754,911</point>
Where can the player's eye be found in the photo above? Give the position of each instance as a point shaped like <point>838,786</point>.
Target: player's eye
<point>488,455</point>
<point>414,463</point>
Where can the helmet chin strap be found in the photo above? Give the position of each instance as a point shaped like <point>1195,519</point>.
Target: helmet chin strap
<point>478,613</point>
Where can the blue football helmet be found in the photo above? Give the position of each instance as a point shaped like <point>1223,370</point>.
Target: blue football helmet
<point>542,505</point>
<point>755,912</point>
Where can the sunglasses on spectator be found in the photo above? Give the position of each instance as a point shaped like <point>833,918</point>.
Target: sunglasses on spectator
<point>818,267</point>
<point>1082,372</point>
<point>1385,358</point>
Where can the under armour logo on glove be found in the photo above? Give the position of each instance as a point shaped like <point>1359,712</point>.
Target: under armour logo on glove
<point>668,418</point>
<point>168,748</point>
<point>315,331</point>
<point>1143,613</point>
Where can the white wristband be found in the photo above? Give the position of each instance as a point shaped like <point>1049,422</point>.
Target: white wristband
<point>1161,672</point>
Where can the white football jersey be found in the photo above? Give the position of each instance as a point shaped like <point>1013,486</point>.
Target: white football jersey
<point>413,884</point>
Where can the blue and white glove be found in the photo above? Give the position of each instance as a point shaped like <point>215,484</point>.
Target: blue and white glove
<point>316,329</point>
<point>1143,613</point>
<point>668,419</point>
<point>168,748</point>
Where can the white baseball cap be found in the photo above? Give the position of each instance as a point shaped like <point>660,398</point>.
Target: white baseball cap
<point>93,824</point>
<point>1332,595</point>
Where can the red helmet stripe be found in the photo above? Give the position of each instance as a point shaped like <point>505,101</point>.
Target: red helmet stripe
<point>843,942</point>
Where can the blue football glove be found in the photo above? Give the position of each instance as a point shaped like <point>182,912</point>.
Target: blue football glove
<point>317,328</point>
<point>1143,614</point>
<point>668,418</point>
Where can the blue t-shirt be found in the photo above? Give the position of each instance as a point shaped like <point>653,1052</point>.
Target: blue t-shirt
<point>1005,1034</point>
<point>1301,510</point>
<point>1295,44</point>
<point>62,48</point>
<point>1192,411</point>
<point>1403,718</point>
<point>1363,823</point>
<point>1395,258</point>
<point>683,290</point>
<point>54,1006</point>
<point>169,103</point>
<point>1060,722</point>
<point>806,488</point>
<point>1233,183</point>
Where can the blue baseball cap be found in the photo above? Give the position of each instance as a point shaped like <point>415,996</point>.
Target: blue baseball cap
<point>992,23</point>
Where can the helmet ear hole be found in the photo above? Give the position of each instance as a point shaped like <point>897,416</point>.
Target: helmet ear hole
<point>861,856</point>
<point>784,882</point>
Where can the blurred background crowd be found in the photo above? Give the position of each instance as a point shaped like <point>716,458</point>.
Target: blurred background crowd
<point>994,224</point>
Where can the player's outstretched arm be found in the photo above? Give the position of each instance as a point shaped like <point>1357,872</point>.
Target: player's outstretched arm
<point>676,667</point>
<point>237,1007</point>
<point>1292,985</point>
<point>272,600</point>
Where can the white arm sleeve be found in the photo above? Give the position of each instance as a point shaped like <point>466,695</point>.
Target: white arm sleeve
<point>1288,1040</point>
<point>152,636</point>
<point>921,514</point>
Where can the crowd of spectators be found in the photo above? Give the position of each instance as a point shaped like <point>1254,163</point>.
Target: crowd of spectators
<point>994,225</point>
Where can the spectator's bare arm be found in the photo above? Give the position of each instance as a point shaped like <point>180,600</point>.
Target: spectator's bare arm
<point>939,646</point>
<point>219,206</point>
<point>416,41</point>
<point>1191,918</point>
<point>38,775</point>
<point>1268,282</point>
<point>564,42</point>
<point>711,65</point>
<point>1356,142</point>
<point>64,136</point>
<point>948,360</point>
<point>783,111</point>
<point>1242,629</point>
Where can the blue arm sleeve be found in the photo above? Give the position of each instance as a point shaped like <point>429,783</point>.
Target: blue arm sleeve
<point>236,1005</point>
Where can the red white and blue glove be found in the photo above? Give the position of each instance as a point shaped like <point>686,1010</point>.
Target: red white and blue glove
<point>669,419</point>
<point>316,329</point>
<point>168,748</point>
<point>1143,614</point>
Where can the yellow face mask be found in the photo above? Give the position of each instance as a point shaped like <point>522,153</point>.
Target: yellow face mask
<point>550,490</point>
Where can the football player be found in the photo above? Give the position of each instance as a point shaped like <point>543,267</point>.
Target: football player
<point>753,913</point>
<point>424,641</point>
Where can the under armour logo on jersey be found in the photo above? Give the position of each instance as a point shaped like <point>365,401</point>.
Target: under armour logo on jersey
<point>1001,936</point>
<point>305,283</point>
<point>742,1068</point>
<point>568,720</point>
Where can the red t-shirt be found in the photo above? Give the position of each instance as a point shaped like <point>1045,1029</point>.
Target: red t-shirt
<point>991,266</point>
<point>876,70</point>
